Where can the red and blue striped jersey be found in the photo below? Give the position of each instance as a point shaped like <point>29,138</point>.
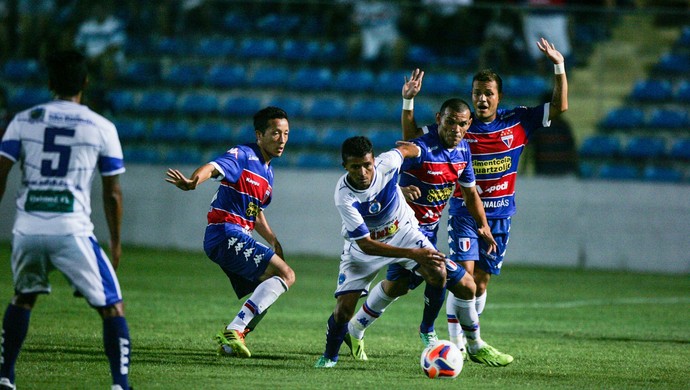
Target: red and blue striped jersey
<point>496,149</point>
<point>435,173</point>
<point>246,185</point>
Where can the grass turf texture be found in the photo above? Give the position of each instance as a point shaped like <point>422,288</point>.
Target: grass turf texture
<point>565,328</point>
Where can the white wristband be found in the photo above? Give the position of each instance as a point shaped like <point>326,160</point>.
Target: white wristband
<point>559,68</point>
<point>408,104</point>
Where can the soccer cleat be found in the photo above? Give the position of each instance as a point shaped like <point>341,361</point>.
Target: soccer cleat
<point>491,357</point>
<point>231,343</point>
<point>324,362</point>
<point>356,347</point>
<point>428,338</point>
<point>5,384</point>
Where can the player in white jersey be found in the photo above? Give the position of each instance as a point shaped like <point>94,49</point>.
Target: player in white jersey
<point>60,145</point>
<point>379,229</point>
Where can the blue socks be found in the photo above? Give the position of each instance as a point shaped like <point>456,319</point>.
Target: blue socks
<point>335,334</point>
<point>15,325</point>
<point>433,301</point>
<point>117,348</point>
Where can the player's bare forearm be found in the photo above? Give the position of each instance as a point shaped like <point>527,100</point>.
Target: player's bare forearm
<point>559,99</point>
<point>425,256</point>
<point>408,149</point>
<point>112,204</point>
<point>476,210</point>
<point>199,176</point>
<point>5,167</point>
<point>264,229</point>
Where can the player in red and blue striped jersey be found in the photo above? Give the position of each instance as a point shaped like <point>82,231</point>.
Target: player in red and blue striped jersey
<point>496,137</point>
<point>246,184</point>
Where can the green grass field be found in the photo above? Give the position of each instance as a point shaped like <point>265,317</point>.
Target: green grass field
<point>566,329</point>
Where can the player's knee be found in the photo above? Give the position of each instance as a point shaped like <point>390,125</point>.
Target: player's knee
<point>395,288</point>
<point>25,301</point>
<point>288,276</point>
<point>116,310</point>
<point>465,288</point>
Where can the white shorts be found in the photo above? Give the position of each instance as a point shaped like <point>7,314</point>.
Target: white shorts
<point>80,259</point>
<point>358,270</point>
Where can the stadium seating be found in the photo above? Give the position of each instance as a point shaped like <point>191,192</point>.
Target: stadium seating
<point>141,154</point>
<point>270,77</point>
<point>673,63</point>
<point>278,23</point>
<point>668,118</point>
<point>131,129</point>
<point>170,130</point>
<point>237,22</point>
<point>226,76</point>
<point>184,75</point>
<point>300,50</point>
<point>645,147</point>
<point>390,82</point>
<point>333,137</point>
<point>213,133</point>
<point>156,102</point>
<point>618,171</point>
<point>602,146</point>
<point>440,84</point>
<point>303,137</point>
<point>140,72</point>
<point>680,149</point>
<point>327,108</point>
<point>121,100</point>
<point>350,80</point>
<point>183,155</point>
<point>371,110</point>
<point>216,47</point>
<point>682,94</point>
<point>312,79</point>
<point>241,106</point>
<point>173,46</point>
<point>21,70</point>
<point>662,174</point>
<point>384,139</point>
<point>256,47</point>
<point>291,105</point>
<point>623,118</point>
<point>22,98</point>
<point>652,91</point>
<point>198,103</point>
<point>316,160</point>
<point>519,86</point>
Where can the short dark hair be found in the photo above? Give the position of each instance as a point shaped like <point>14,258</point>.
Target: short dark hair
<point>357,146</point>
<point>455,104</point>
<point>67,72</point>
<point>488,75</point>
<point>264,115</point>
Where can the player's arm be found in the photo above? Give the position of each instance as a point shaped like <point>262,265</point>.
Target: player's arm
<point>476,209</point>
<point>408,149</point>
<point>410,89</point>
<point>262,227</point>
<point>199,176</point>
<point>428,257</point>
<point>5,167</point>
<point>112,204</point>
<point>559,98</point>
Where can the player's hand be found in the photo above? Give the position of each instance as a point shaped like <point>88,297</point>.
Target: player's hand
<point>550,50</point>
<point>485,234</point>
<point>412,85</point>
<point>429,257</point>
<point>180,181</point>
<point>411,192</point>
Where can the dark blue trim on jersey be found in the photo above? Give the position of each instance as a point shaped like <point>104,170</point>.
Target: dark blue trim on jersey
<point>110,164</point>
<point>11,148</point>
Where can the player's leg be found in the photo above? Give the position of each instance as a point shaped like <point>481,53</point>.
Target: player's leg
<point>87,267</point>
<point>116,343</point>
<point>336,330</point>
<point>15,326</point>
<point>30,273</point>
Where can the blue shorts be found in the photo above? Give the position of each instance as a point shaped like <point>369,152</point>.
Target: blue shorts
<point>454,271</point>
<point>466,246</point>
<point>242,258</point>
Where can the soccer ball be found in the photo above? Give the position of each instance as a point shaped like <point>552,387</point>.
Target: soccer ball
<point>442,359</point>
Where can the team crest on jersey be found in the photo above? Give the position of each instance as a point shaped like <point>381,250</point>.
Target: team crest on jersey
<point>374,207</point>
<point>507,137</point>
<point>37,114</point>
<point>464,244</point>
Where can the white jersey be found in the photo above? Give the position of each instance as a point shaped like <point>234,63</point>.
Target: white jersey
<point>379,210</point>
<point>59,145</point>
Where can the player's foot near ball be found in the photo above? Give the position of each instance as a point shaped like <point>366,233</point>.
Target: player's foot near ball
<point>231,343</point>
<point>325,362</point>
<point>356,347</point>
<point>490,356</point>
<point>428,338</point>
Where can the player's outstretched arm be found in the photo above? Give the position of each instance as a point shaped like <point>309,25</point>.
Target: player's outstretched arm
<point>559,98</point>
<point>476,209</point>
<point>199,176</point>
<point>410,89</point>
<point>428,257</point>
<point>408,149</point>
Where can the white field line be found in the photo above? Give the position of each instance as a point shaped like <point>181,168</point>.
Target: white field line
<point>590,302</point>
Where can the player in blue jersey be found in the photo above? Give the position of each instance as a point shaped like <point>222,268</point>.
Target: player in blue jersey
<point>59,146</point>
<point>429,181</point>
<point>496,137</point>
<point>380,229</point>
<point>246,185</point>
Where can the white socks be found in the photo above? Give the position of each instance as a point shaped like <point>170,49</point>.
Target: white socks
<point>261,299</point>
<point>373,307</point>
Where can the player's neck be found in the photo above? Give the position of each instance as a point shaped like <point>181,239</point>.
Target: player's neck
<point>73,99</point>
